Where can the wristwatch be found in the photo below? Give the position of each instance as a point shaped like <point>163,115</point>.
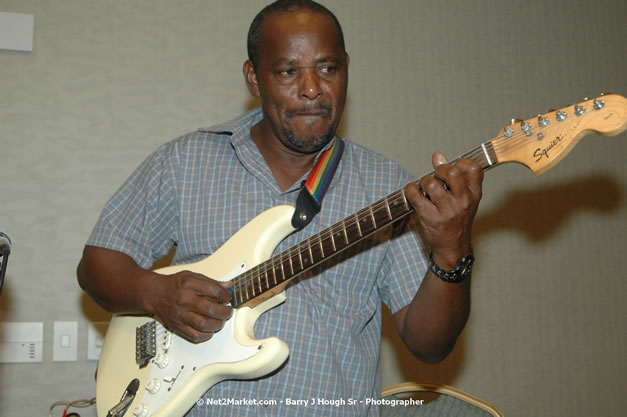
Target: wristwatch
<point>458,274</point>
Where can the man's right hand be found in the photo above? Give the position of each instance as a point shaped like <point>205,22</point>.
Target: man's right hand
<point>191,304</point>
<point>187,303</point>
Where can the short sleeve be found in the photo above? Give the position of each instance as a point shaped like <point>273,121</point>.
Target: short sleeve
<point>139,220</point>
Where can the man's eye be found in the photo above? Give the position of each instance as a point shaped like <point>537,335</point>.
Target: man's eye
<point>287,72</point>
<point>328,69</point>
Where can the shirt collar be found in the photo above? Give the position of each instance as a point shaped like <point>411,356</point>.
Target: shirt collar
<point>247,152</point>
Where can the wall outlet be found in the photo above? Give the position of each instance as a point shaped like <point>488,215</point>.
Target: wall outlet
<point>21,342</point>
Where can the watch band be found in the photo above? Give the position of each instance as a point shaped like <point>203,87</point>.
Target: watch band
<point>458,274</point>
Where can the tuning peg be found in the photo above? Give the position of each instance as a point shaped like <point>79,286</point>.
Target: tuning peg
<point>543,121</point>
<point>598,104</point>
<point>579,110</point>
<point>560,116</point>
<point>508,132</point>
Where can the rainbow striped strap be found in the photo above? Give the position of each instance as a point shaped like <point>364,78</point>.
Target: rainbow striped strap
<point>317,183</point>
<point>319,179</point>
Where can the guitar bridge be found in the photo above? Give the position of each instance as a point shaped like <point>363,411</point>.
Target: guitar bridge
<point>145,343</point>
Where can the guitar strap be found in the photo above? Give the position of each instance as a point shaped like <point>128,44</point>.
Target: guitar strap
<point>314,188</point>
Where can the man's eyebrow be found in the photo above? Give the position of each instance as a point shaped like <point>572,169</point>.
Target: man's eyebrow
<point>332,59</point>
<point>285,61</point>
<point>295,61</point>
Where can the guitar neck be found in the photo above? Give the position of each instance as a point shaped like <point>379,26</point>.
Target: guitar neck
<point>287,265</point>
<point>538,143</point>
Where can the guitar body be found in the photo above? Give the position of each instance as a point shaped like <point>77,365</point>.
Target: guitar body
<point>182,371</point>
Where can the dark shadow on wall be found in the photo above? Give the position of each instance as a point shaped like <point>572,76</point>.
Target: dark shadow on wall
<point>539,213</point>
<point>92,311</point>
<point>536,213</point>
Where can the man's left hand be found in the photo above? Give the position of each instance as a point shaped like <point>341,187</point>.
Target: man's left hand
<point>446,204</point>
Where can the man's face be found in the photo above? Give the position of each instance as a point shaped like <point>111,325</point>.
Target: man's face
<point>301,76</point>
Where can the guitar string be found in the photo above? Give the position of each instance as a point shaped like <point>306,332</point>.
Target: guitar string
<point>254,278</point>
<point>501,143</point>
<point>588,107</point>
<point>257,273</point>
<point>498,144</point>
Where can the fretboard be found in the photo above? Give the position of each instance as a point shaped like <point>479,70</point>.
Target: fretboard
<point>311,252</point>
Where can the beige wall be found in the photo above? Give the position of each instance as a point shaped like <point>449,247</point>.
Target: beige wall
<point>109,81</point>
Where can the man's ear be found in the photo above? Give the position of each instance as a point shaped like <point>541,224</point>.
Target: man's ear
<point>251,78</point>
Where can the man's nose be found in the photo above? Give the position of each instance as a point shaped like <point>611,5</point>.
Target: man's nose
<point>310,84</point>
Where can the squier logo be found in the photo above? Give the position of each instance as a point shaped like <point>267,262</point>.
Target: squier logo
<point>544,152</point>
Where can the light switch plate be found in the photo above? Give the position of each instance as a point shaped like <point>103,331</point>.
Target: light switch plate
<point>95,337</point>
<point>65,341</point>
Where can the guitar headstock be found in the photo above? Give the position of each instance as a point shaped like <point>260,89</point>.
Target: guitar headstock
<point>542,142</point>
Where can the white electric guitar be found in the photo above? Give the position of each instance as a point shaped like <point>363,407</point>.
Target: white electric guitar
<point>145,370</point>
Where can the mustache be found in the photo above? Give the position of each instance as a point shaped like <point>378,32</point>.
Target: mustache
<point>322,108</point>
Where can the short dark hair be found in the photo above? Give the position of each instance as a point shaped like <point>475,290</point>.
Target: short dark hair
<point>284,6</point>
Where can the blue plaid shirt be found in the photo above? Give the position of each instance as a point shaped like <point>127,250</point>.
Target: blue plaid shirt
<point>198,190</point>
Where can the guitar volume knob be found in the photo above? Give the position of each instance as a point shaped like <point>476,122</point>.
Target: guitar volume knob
<point>162,360</point>
<point>140,410</point>
<point>153,386</point>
